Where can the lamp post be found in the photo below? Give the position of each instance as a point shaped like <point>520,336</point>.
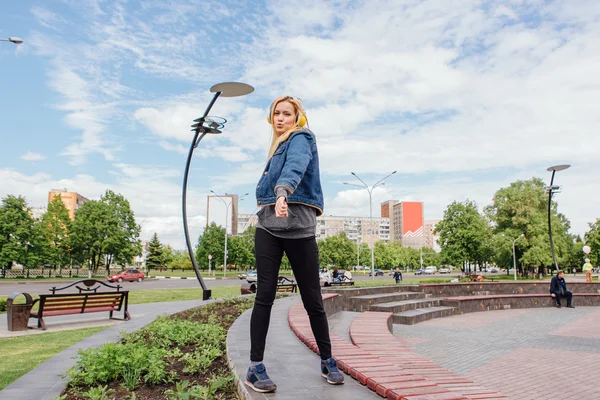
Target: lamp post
<point>226,221</point>
<point>515,256</point>
<point>370,191</point>
<point>202,126</point>
<point>12,39</point>
<point>553,189</point>
<point>209,258</point>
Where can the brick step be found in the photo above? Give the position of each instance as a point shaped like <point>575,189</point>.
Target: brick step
<point>363,302</point>
<point>405,305</point>
<point>412,317</point>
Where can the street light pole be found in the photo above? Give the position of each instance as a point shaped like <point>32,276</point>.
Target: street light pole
<point>12,39</point>
<point>515,256</point>
<point>553,189</point>
<point>370,191</point>
<point>226,222</point>
<point>203,126</point>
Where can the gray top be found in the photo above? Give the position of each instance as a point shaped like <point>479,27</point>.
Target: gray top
<point>300,223</point>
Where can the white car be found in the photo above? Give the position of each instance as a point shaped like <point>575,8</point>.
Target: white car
<point>251,277</point>
<point>444,271</point>
<point>430,270</point>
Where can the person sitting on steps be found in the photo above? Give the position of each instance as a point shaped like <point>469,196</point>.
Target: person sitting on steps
<point>558,289</point>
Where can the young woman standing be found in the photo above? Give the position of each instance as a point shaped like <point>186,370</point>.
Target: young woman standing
<point>290,196</point>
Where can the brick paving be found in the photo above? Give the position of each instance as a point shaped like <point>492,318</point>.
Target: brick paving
<point>532,354</point>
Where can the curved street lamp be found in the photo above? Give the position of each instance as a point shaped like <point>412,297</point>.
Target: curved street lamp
<point>226,221</point>
<point>13,39</point>
<point>202,126</point>
<point>551,190</point>
<point>370,190</point>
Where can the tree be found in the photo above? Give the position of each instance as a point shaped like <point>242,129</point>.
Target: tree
<point>105,231</point>
<point>122,240</point>
<point>522,207</point>
<point>212,241</point>
<point>89,230</point>
<point>463,234</point>
<point>337,250</point>
<point>180,261</point>
<point>592,239</point>
<point>54,228</point>
<point>16,225</point>
<point>155,258</point>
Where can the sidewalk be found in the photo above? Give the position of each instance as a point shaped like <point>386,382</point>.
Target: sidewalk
<point>292,366</point>
<point>45,382</point>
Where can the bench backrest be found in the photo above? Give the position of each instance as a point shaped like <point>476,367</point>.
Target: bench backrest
<point>81,301</point>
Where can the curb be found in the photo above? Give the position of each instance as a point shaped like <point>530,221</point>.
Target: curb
<point>188,277</point>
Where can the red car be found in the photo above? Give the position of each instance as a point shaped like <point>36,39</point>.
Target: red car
<point>127,275</point>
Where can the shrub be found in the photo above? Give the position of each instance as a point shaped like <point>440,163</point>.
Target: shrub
<point>2,305</point>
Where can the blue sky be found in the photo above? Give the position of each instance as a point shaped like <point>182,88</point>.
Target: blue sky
<point>460,99</point>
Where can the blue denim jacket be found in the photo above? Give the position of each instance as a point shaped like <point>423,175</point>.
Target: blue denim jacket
<point>295,167</point>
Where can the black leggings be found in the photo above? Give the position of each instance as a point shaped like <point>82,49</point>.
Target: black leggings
<point>304,257</point>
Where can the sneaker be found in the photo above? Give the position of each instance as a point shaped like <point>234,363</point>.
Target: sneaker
<point>570,306</point>
<point>558,306</point>
<point>330,371</point>
<point>258,380</point>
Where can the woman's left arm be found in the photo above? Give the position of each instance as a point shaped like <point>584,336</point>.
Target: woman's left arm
<point>299,155</point>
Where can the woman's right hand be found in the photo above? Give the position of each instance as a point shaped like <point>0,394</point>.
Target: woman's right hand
<point>281,209</point>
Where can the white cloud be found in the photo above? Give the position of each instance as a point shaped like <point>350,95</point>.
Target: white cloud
<point>31,156</point>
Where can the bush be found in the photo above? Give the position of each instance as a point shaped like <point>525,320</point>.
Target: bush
<point>2,305</point>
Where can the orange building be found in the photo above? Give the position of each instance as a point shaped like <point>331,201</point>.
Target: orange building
<point>72,200</point>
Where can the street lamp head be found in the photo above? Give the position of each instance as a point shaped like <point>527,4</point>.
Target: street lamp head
<point>561,167</point>
<point>353,173</point>
<point>15,40</point>
<point>393,172</point>
<point>213,192</point>
<point>232,89</point>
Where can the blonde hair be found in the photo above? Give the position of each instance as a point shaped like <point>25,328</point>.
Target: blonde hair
<point>298,108</point>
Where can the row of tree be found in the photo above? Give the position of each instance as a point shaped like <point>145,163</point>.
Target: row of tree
<point>102,233</point>
<point>470,237</point>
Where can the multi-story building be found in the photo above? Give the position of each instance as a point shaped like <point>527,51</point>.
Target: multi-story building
<point>431,239</point>
<point>406,222</point>
<point>356,228</point>
<point>232,223</point>
<point>72,200</point>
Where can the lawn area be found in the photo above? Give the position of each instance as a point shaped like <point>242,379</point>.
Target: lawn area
<point>18,358</point>
<point>161,295</point>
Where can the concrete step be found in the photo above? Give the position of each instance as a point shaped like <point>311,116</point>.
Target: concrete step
<point>412,317</point>
<point>363,302</point>
<point>405,305</point>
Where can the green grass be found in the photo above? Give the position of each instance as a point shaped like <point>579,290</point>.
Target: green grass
<point>162,295</point>
<point>23,353</point>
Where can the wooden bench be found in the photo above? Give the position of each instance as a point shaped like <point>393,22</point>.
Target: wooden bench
<point>344,281</point>
<point>284,285</point>
<point>86,300</point>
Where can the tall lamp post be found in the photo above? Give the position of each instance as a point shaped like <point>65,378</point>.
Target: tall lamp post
<point>12,39</point>
<point>202,126</point>
<point>551,190</point>
<point>370,190</point>
<point>515,256</point>
<point>226,221</point>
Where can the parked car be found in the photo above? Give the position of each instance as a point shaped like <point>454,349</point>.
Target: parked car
<point>444,270</point>
<point>243,275</point>
<point>419,272</point>
<point>130,275</point>
<point>494,270</point>
<point>430,270</point>
<point>251,276</point>
<point>378,272</point>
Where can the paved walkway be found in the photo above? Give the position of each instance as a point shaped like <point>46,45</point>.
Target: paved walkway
<point>292,366</point>
<point>45,382</point>
<point>528,354</point>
